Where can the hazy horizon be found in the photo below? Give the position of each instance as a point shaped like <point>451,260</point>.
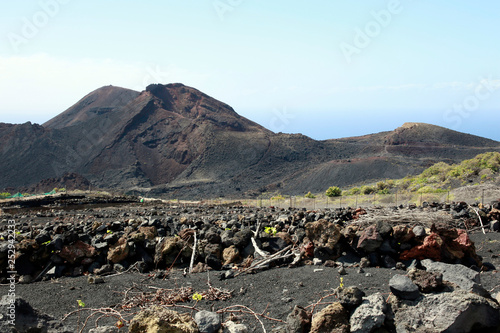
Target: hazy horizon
<point>326,70</point>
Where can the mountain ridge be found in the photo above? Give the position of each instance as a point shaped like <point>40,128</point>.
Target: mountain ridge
<point>174,140</point>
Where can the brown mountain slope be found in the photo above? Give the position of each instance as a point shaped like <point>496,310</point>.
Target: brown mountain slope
<point>174,140</point>
<point>97,103</point>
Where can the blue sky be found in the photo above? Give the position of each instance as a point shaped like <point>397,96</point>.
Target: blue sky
<point>326,69</point>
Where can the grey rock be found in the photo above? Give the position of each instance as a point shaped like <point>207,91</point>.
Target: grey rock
<point>105,329</point>
<point>419,231</point>
<point>364,262</point>
<point>342,271</point>
<point>95,280</point>
<point>351,297</point>
<point>459,311</point>
<point>25,279</point>
<point>495,225</point>
<point>119,268</point>
<point>42,237</point>
<point>232,327</point>
<point>369,315</point>
<point>465,278</point>
<point>403,287</point>
<point>208,322</point>
<point>298,321</point>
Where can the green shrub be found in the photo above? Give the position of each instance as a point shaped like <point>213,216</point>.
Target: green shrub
<point>333,191</point>
<point>309,195</point>
<point>354,191</point>
<point>367,190</point>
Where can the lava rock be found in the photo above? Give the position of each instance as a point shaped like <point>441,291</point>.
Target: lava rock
<point>403,287</point>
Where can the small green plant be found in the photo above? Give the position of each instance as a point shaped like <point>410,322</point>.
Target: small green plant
<point>46,243</point>
<point>80,305</point>
<point>17,232</point>
<point>109,231</point>
<point>197,297</point>
<point>341,285</point>
<point>333,191</point>
<point>227,229</point>
<point>270,230</point>
<point>309,195</point>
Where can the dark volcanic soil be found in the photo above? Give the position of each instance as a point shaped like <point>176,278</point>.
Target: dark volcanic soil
<point>273,292</point>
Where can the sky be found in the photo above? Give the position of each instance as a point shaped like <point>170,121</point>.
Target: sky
<point>323,68</point>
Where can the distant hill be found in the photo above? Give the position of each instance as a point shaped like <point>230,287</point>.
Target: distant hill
<point>176,141</point>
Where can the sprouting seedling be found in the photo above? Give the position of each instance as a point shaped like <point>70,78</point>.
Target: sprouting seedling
<point>227,229</point>
<point>341,283</point>
<point>17,232</point>
<point>109,231</point>
<point>270,230</point>
<point>46,243</point>
<point>197,297</point>
<point>80,303</point>
<point>119,324</point>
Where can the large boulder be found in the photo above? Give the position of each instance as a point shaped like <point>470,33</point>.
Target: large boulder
<point>323,234</point>
<point>157,319</point>
<point>370,314</point>
<point>370,239</point>
<point>459,311</point>
<point>465,278</point>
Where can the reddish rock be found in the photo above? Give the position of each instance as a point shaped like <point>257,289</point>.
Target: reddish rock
<point>358,212</point>
<point>430,249</point>
<point>76,251</point>
<point>370,239</point>
<point>425,280</point>
<point>187,234</point>
<point>308,249</point>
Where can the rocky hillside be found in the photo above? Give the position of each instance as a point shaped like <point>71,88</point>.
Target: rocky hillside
<point>173,140</point>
